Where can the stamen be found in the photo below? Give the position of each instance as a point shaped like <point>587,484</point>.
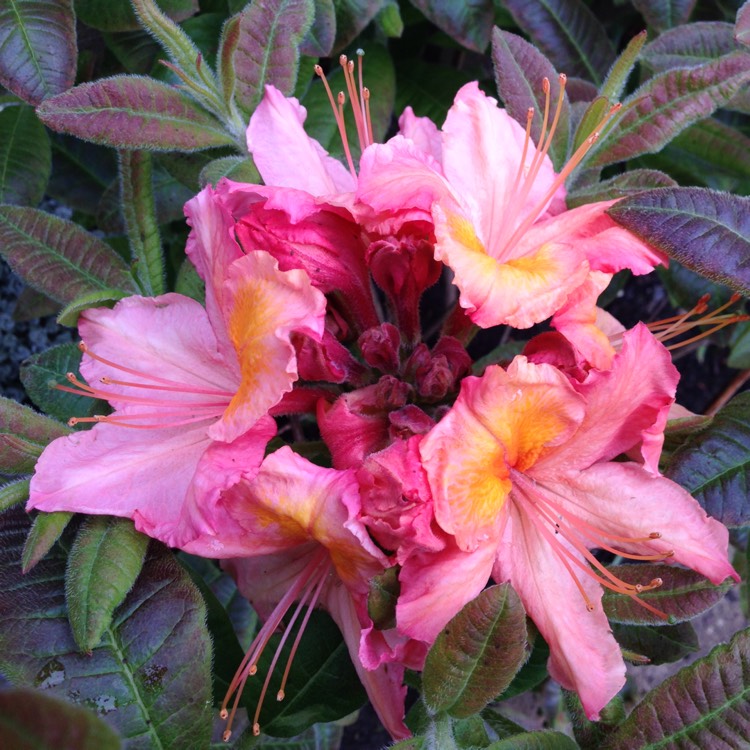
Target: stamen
<point>364,95</point>
<point>339,117</point>
<point>315,572</point>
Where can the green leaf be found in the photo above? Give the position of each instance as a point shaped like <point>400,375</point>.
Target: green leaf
<point>42,371</point>
<point>24,422</point>
<point>620,186</point>
<point>662,644</point>
<point>706,231</point>
<point>266,50</point>
<point>543,740</point>
<point>704,705</point>
<point>37,47</point>
<point>319,40</point>
<point>477,654</point>
<point>713,464</point>
<point>427,88</point>
<point>519,70</point>
<point>664,14</point>
<point>118,15</point>
<point>467,23</point>
<point>133,112</point>
<point>568,33</point>
<point>136,51</point>
<point>381,601</point>
<point>104,562</point>
<point>237,168</point>
<point>17,456</point>
<point>25,156</point>
<point>534,671</point>
<point>617,77</point>
<point>45,531</point>
<point>57,257</point>
<point>31,720</point>
<point>684,594</point>
<point>14,493</point>
<point>322,685</point>
<point>667,104</point>
<point>150,677</point>
<point>742,25</point>
<point>189,283</point>
<point>137,200</point>
<point>68,316</point>
<point>690,45</point>
<point>351,18</point>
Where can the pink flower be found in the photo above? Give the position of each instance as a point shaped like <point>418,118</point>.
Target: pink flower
<point>190,387</point>
<point>522,475</point>
<point>499,215</point>
<point>292,535</point>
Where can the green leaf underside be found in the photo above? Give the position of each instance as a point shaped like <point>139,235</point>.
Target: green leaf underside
<point>684,594</point>
<point>58,257</point>
<point>32,720</point>
<point>45,531</point>
<point>713,464</point>
<point>150,677</point>
<point>477,654</point>
<point>704,705</point>
<point>37,47</point>
<point>104,562</point>
<point>706,231</point>
<point>129,111</point>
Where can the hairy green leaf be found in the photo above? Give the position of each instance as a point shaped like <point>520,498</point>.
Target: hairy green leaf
<point>468,23</point>
<point>150,677</point>
<point>617,77</point>
<point>713,465</point>
<point>26,423</point>
<point>237,168</point>
<point>542,740</point>
<point>568,33</point>
<point>45,531</point>
<point>25,156</point>
<point>690,45</point>
<point>664,14</point>
<point>319,39</point>
<point>37,47</point>
<point>620,186</point>
<point>58,257</point>
<point>742,25</point>
<point>68,316</point>
<point>477,654</point>
<point>104,562</point>
<point>660,644</point>
<point>706,231</point>
<point>14,493</point>
<point>32,720</point>
<point>704,705</point>
<point>133,112</point>
<point>351,18</point>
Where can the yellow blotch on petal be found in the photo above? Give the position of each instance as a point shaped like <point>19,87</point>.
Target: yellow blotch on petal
<point>462,232</point>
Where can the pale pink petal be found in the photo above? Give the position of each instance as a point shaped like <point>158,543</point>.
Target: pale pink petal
<point>623,404</point>
<point>285,155</point>
<point>521,290</point>
<point>167,337</point>
<point>435,586</point>
<point>623,499</point>
<point>584,656</point>
<point>423,132</point>
<point>264,306</point>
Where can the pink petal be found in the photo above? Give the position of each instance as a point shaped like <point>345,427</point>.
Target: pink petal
<point>423,132</point>
<point>584,656</point>
<point>285,155</point>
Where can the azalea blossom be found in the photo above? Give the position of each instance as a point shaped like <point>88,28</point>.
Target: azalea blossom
<point>190,386</point>
<point>292,535</point>
<point>522,475</point>
<point>499,217</point>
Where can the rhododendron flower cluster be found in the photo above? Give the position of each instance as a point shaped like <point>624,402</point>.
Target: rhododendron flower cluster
<point>310,430</point>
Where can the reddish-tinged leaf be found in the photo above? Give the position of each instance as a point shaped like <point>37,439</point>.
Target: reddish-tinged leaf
<point>706,231</point>
<point>14,493</point>
<point>267,48</point>
<point>477,654</point>
<point>118,15</point>
<point>351,18</point>
<point>664,14</point>
<point>230,36</point>
<point>467,23</point>
<point>28,424</point>
<point>684,594</point>
<point>17,456</point>
<point>37,47</point>
<point>568,33</point>
<point>704,705</point>
<point>691,45</point>
<point>133,112</point>
<point>322,34</point>
<point>714,465</point>
<point>742,25</point>
<point>620,186</point>
<point>32,720</point>
<point>25,156</point>
<point>519,71</point>
<point>57,257</point>
<point>667,104</point>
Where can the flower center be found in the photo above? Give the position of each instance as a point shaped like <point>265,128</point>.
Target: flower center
<point>359,96</point>
<point>305,591</point>
<point>170,412</point>
<point>571,538</point>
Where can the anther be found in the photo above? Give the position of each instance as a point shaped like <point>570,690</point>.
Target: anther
<point>280,696</point>
<point>256,729</point>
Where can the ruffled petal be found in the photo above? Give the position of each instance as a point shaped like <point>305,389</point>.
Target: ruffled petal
<point>423,132</point>
<point>285,155</point>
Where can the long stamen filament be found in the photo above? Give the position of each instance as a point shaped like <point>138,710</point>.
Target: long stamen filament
<point>339,117</point>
